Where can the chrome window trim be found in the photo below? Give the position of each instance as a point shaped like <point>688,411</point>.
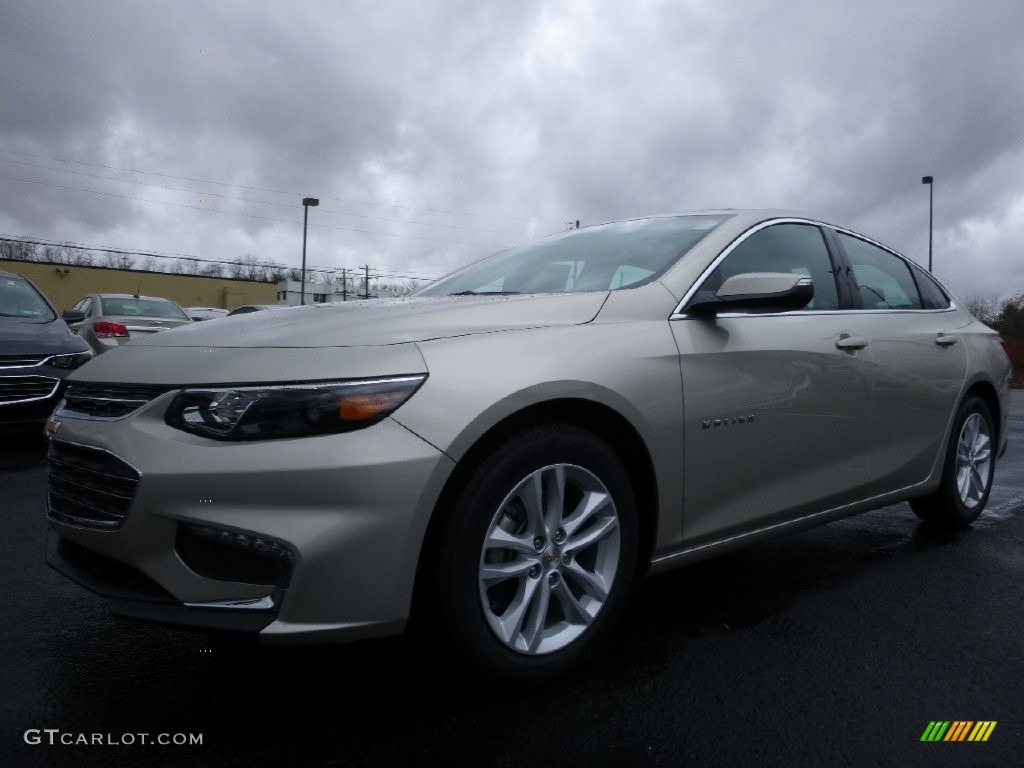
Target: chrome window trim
<point>812,312</point>
<point>679,314</point>
<point>56,386</point>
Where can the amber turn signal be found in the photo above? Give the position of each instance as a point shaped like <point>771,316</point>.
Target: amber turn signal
<point>369,406</point>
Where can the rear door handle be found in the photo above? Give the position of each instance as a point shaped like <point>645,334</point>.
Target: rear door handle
<point>945,339</point>
<point>851,343</point>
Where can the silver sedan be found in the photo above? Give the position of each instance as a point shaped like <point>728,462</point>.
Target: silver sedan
<point>498,458</point>
<point>112,319</point>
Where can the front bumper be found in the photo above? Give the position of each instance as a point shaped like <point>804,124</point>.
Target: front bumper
<point>344,516</point>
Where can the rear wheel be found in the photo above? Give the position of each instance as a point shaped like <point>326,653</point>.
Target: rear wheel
<point>539,555</point>
<point>967,472</point>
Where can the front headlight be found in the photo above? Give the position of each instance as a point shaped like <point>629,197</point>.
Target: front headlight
<point>72,361</point>
<point>289,410</point>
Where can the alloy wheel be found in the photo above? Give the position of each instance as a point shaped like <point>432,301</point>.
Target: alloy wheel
<point>549,559</point>
<point>973,460</point>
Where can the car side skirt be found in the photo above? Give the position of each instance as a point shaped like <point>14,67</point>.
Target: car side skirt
<point>704,550</point>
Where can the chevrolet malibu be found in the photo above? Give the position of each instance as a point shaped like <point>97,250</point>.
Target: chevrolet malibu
<point>498,458</point>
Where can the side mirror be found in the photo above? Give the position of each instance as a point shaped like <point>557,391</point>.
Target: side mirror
<point>73,316</point>
<point>756,292</point>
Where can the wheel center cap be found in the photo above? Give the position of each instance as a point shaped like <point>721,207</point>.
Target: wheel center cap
<point>551,558</point>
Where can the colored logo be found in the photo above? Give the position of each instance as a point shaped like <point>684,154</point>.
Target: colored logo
<point>958,730</point>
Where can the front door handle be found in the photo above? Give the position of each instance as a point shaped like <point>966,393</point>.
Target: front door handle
<point>945,339</point>
<point>851,343</point>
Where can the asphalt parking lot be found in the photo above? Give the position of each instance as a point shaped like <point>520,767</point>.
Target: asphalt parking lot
<point>836,646</point>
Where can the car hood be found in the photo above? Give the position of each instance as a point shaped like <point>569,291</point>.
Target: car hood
<point>357,339</point>
<point>378,322</point>
<point>23,337</point>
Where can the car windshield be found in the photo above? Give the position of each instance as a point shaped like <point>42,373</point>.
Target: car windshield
<point>133,307</point>
<point>18,298</point>
<point>602,258</point>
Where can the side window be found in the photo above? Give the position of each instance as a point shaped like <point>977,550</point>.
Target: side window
<point>932,296</point>
<point>796,248</point>
<point>882,280</point>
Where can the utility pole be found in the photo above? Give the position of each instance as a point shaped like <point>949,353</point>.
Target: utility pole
<point>306,203</point>
<point>366,281</point>
<point>930,181</point>
<point>344,285</point>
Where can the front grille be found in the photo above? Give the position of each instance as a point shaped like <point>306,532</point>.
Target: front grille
<point>19,389</point>
<point>21,361</point>
<point>109,400</point>
<point>88,487</point>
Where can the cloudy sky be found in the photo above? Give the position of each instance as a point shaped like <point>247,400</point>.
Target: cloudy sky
<point>435,132</point>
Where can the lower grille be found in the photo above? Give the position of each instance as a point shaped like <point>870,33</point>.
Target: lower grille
<point>227,556</point>
<point>88,487</point>
<point>22,389</point>
<point>110,401</point>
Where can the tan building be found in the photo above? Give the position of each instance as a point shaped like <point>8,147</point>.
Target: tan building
<point>64,284</point>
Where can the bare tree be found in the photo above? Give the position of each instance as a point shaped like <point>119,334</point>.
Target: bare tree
<point>984,307</point>
<point>16,250</point>
<point>212,270</point>
<point>275,273</point>
<point>78,257</point>
<point>396,289</point>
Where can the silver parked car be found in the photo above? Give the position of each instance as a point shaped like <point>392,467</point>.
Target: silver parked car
<point>112,319</point>
<point>246,309</point>
<point>501,455</point>
<point>199,314</point>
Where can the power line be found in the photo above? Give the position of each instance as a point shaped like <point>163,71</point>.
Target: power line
<point>246,215</point>
<point>251,200</point>
<point>275,191</point>
<point>48,242</point>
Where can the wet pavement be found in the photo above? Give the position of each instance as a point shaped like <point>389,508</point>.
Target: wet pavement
<point>836,646</point>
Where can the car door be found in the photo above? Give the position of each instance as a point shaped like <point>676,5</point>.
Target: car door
<point>776,405</point>
<point>920,361</point>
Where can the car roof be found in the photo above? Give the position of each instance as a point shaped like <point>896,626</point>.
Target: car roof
<point>129,296</point>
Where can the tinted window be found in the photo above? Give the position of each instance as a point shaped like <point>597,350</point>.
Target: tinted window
<point>932,296</point>
<point>19,299</point>
<point>132,307</point>
<point>882,279</point>
<point>602,258</point>
<point>796,248</point>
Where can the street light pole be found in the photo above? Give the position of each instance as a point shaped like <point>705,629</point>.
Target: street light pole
<point>307,203</point>
<point>931,194</point>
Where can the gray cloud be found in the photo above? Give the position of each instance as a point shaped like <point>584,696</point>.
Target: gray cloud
<point>544,111</point>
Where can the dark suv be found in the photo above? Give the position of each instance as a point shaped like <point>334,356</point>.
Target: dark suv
<point>37,350</point>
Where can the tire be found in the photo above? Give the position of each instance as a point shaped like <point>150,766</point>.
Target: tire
<point>967,470</point>
<point>555,574</point>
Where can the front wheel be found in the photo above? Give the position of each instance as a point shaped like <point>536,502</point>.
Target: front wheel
<point>967,471</point>
<point>539,555</point>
